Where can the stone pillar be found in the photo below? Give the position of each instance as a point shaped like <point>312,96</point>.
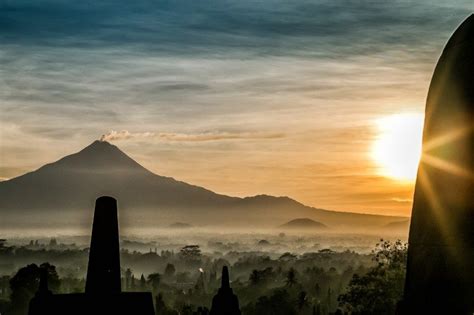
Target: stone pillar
<point>103,273</point>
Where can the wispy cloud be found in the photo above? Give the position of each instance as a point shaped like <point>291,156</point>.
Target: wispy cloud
<point>402,200</point>
<point>181,137</point>
<point>273,27</point>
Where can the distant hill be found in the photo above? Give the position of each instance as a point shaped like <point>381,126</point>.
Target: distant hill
<point>63,194</point>
<point>303,223</point>
<point>180,225</point>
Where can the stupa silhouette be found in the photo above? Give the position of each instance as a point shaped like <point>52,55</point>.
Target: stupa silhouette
<point>440,266</point>
<point>225,302</point>
<point>103,294</point>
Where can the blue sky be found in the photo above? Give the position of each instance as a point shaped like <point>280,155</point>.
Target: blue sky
<point>243,97</point>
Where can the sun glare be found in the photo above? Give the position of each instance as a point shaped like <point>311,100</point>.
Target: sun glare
<point>397,147</point>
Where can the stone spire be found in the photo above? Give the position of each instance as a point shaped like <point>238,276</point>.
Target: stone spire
<point>440,272</point>
<point>103,273</point>
<point>225,283</point>
<point>225,302</point>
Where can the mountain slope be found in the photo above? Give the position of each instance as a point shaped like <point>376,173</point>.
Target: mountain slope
<point>99,169</point>
<point>64,192</point>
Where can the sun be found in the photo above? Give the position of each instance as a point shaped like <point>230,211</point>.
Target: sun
<point>397,147</point>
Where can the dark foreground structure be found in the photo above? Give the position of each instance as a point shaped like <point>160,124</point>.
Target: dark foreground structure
<point>103,287</point>
<point>440,267</point>
<point>225,302</point>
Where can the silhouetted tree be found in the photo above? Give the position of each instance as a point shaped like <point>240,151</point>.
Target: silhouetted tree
<point>170,270</point>
<point>302,301</point>
<point>279,303</point>
<point>128,279</point>
<point>255,278</point>
<point>258,277</point>
<point>53,278</point>
<point>24,285</point>
<point>291,277</point>
<point>154,280</point>
<point>142,282</point>
<point>132,283</point>
<point>190,252</point>
<point>378,291</point>
<point>287,257</point>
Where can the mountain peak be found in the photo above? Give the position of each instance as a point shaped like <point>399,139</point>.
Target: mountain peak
<point>100,142</point>
<point>99,156</point>
<point>100,145</point>
<point>102,150</point>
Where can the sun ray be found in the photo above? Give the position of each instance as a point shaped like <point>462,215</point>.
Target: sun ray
<point>449,234</point>
<point>447,166</point>
<point>439,211</point>
<point>445,138</point>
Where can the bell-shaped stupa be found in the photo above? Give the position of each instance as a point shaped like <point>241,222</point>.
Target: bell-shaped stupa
<point>440,267</point>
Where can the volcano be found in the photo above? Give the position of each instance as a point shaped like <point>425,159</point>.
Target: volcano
<point>62,193</point>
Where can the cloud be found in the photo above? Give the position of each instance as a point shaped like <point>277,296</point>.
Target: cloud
<point>402,200</point>
<point>275,27</point>
<point>181,137</point>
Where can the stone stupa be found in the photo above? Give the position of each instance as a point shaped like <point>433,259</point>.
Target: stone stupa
<point>225,302</point>
<point>440,266</point>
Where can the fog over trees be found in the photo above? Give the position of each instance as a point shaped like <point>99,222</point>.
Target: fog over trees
<point>184,280</point>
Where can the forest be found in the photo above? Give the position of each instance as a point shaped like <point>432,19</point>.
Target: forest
<point>183,281</point>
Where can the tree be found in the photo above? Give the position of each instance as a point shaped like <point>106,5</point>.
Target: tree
<point>302,300</point>
<point>254,277</point>
<point>142,282</point>
<point>54,282</point>
<point>154,280</point>
<point>288,257</point>
<point>190,251</point>
<point>279,303</point>
<point>378,291</point>
<point>258,277</point>
<point>53,242</point>
<point>170,270</point>
<point>291,277</point>
<point>24,285</point>
<point>191,254</point>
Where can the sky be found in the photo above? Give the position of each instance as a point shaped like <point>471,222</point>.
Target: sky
<point>242,97</point>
